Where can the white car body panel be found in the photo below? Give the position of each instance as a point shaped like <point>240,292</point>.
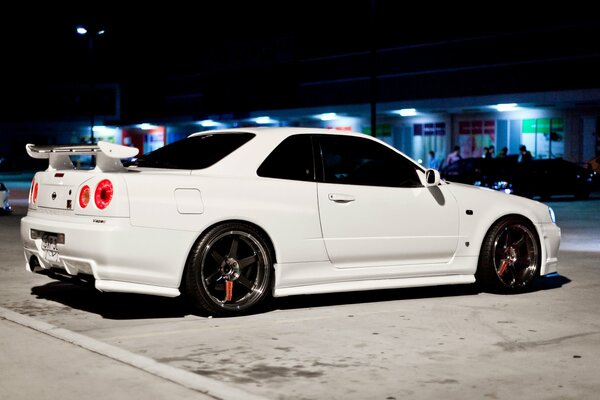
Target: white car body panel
<point>141,241</point>
<point>380,226</point>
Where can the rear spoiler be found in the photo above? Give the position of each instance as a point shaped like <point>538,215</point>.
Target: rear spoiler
<point>108,155</point>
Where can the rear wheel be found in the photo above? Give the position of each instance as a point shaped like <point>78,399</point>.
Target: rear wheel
<point>229,270</point>
<point>510,256</point>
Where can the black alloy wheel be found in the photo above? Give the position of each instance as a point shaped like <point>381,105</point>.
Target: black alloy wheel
<point>229,271</point>
<point>510,256</point>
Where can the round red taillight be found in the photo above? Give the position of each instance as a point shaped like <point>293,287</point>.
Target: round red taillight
<point>35,193</point>
<point>104,194</point>
<point>84,196</point>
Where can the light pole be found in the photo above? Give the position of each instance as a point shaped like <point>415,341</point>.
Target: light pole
<point>373,64</point>
<point>91,35</point>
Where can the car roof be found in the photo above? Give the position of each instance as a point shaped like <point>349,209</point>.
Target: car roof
<point>281,131</point>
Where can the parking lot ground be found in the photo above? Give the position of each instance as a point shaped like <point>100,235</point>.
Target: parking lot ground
<point>452,342</point>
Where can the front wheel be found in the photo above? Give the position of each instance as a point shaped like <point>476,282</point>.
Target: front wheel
<point>229,270</point>
<point>510,256</point>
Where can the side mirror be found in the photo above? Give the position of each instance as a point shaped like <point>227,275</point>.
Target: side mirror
<point>432,177</point>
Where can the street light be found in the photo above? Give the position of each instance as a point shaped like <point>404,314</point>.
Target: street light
<point>91,34</point>
<point>373,65</point>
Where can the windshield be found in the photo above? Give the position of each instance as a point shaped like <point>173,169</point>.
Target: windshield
<point>196,152</point>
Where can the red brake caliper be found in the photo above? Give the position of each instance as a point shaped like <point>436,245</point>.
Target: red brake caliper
<point>503,267</point>
<point>228,290</point>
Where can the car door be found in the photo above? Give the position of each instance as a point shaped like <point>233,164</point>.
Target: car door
<point>375,211</point>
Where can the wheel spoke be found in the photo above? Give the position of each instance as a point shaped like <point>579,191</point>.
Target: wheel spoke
<point>522,263</point>
<point>507,238</point>
<point>499,253</point>
<point>217,257</point>
<point>245,282</point>
<point>519,242</point>
<point>209,278</point>
<point>234,248</point>
<point>244,262</point>
<point>513,275</point>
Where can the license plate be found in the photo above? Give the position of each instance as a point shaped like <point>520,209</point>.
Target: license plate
<point>50,247</point>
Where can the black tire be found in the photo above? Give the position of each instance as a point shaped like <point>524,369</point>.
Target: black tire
<point>510,256</point>
<point>232,256</point>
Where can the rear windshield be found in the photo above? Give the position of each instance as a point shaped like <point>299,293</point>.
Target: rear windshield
<point>195,152</point>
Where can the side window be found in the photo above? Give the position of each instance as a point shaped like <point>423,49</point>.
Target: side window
<point>357,161</point>
<point>292,159</point>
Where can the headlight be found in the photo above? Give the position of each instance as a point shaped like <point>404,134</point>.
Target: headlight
<point>552,216</point>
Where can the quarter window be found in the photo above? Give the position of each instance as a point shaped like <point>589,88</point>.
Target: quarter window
<point>292,159</point>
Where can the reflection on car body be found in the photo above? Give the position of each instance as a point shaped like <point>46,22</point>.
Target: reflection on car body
<point>228,218</point>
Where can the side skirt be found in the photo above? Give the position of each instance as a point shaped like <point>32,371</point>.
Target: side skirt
<point>351,286</point>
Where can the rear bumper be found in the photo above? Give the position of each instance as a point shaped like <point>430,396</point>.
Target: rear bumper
<point>118,256</point>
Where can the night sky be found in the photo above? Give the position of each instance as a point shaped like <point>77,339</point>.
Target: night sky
<point>146,49</point>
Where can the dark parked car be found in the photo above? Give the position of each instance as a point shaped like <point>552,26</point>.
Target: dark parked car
<point>4,204</point>
<point>543,178</point>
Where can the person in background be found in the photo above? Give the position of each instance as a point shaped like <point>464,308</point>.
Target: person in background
<point>485,153</point>
<point>524,154</point>
<point>491,151</point>
<point>434,163</point>
<point>453,157</point>
<point>503,153</point>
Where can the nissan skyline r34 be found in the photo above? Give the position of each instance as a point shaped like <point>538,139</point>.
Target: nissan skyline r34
<point>229,218</point>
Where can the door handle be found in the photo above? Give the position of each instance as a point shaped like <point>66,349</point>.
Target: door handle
<point>340,198</point>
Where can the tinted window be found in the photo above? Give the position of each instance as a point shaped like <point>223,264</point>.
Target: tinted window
<point>358,161</point>
<point>195,152</point>
<point>292,159</point>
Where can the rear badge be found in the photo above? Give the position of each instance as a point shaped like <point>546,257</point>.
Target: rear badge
<point>53,195</point>
<point>99,221</point>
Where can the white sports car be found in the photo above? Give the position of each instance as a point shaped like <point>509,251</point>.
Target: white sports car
<point>230,217</point>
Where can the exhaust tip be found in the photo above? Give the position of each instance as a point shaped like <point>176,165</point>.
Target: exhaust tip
<point>34,264</point>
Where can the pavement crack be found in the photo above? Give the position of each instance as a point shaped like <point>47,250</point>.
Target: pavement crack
<point>522,345</point>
